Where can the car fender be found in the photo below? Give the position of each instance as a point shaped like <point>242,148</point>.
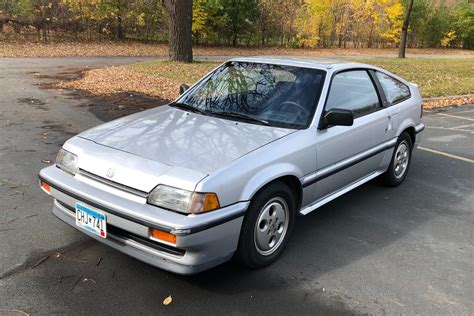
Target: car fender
<point>267,175</point>
<point>406,123</point>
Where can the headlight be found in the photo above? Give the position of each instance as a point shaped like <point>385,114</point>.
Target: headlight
<point>183,201</point>
<point>67,161</point>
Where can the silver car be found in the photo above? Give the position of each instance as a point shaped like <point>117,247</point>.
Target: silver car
<point>223,171</point>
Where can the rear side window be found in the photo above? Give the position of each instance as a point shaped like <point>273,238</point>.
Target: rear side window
<point>353,90</point>
<point>395,91</point>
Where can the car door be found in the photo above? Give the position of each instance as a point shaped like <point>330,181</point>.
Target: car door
<point>346,154</point>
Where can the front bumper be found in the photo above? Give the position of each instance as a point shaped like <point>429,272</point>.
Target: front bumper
<point>202,241</point>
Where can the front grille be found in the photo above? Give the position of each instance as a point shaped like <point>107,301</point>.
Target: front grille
<point>115,231</point>
<point>113,184</point>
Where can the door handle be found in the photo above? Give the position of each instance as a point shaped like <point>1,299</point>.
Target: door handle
<point>389,124</point>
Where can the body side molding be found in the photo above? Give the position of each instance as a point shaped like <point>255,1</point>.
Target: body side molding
<point>346,163</point>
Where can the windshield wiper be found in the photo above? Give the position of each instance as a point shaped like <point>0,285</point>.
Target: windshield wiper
<point>242,116</point>
<point>187,107</point>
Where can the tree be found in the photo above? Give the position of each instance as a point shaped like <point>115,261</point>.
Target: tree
<point>464,24</point>
<point>209,21</point>
<point>418,22</point>
<point>403,39</point>
<point>294,23</point>
<point>438,25</point>
<point>180,30</point>
<point>242,15</point>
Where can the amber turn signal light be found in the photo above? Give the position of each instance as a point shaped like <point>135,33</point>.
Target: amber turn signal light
<point>162,236</point>
<point>46,188</point>
<point>203,202</point>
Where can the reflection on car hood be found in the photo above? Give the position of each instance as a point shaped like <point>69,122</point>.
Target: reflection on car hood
<point>178,138</point>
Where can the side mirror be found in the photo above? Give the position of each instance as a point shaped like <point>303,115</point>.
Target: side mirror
<point>335,117</point>
<point>183,88</point>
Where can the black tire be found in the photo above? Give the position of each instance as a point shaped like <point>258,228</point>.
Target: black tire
<point>248,252</point>
<point>391,177</point>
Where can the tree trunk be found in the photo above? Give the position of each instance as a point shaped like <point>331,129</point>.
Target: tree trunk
<point>197,38</point>
<point>234,40</point>
<point>180,30</point>
<point>120,34</point>
<point>371,33</point>
<point>403,39</point>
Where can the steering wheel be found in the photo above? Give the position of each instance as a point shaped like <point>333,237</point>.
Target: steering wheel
<point>301,108</point>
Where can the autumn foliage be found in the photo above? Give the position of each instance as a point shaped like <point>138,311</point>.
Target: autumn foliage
<point>286,23</point>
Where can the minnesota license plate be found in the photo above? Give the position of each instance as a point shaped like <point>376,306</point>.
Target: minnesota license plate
<point>91,220</point>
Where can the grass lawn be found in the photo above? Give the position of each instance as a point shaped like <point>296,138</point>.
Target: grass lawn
<point>439,77</point>
<point>184,73</point>
<point>435,77</point>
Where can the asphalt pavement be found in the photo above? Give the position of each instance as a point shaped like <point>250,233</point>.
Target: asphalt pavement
<point>375,250</point>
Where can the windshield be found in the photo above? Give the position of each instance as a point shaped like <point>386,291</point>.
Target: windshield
<point>276,95</point>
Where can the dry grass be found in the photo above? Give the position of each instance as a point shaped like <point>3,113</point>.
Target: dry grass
<point>108,48</point>
<point>435,77</point>
<point>184,73</point>
<point>325,52</point>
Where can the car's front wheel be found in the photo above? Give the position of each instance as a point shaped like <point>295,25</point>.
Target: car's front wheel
<point>398,169</point>
<point>267,226</point>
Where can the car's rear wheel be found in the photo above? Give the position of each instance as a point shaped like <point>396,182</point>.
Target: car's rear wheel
<point>398,169</point>
<point>267,226</point>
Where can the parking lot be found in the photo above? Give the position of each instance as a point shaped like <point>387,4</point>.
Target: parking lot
<point>375,250</point>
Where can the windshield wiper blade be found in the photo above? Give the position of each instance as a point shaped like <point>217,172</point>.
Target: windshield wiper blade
<point>242,116</point>
<point>187,107</point>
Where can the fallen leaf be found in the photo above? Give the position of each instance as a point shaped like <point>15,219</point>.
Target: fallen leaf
<point>39,262</point>
<point>88,280</point>
<point>168,300</point>
<point>110,48</point>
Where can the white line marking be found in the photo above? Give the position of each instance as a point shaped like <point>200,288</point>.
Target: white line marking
<point>455,116</point>
<point>463,126</point>
<point>467,111</point>
<point>450,129</point>
<point>442,153</point>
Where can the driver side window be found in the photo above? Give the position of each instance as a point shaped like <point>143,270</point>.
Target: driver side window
<point>353,90</point>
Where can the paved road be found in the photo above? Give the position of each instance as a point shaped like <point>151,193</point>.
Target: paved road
<point>375,250</point>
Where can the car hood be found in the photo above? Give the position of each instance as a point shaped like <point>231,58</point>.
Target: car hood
<point>178,138</point>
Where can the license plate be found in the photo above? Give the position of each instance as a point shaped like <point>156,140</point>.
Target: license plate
<point>91,220</point>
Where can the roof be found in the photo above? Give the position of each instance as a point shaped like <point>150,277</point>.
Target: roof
<point>306,62</point>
